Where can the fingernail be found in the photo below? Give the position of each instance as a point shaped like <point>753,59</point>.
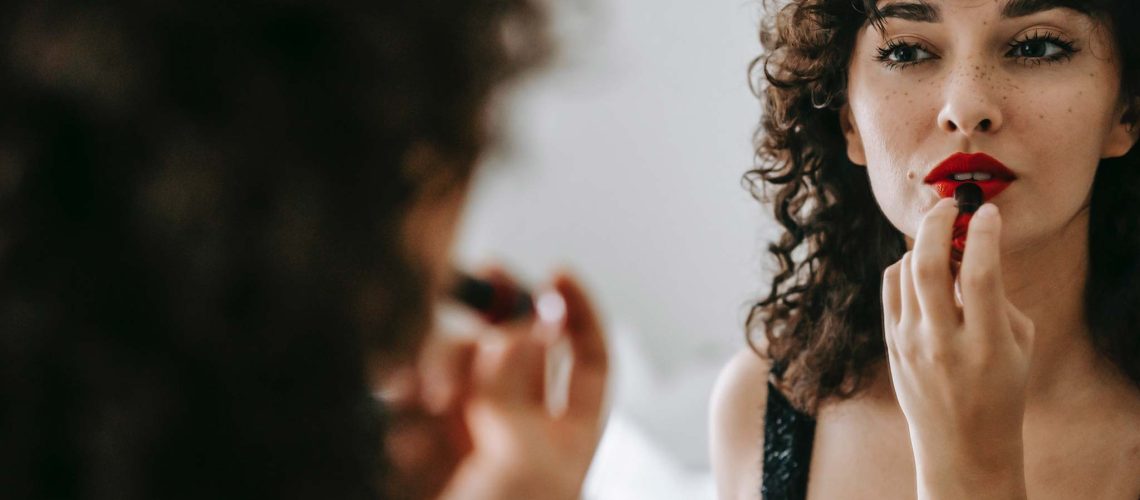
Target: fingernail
<point>559,363</point>
<point>551,307</point>
<point>987,210</point>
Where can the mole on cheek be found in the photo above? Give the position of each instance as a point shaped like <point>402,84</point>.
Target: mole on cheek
<point>910,174</point>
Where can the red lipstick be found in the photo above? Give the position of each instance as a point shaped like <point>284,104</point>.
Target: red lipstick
<point>985,171</point>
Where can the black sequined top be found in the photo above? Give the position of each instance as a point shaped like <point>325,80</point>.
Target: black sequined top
<point>788,437</point>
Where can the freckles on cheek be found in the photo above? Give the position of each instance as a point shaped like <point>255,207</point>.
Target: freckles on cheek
<point>892,134</point>
<point>1065,122</point>
<point>897,115</point>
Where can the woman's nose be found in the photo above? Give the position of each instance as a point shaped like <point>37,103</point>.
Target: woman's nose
<point>971,104</point>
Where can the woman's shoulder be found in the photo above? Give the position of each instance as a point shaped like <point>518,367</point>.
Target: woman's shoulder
<point>736,430</point>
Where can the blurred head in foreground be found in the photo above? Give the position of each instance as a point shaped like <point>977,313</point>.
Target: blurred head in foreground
<point>205,232</point>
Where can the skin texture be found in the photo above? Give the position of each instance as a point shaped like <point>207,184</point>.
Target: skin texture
<point>1000,394</point>
<point>429,232</point>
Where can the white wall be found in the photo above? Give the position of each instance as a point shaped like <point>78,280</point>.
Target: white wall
<point>624,164</point>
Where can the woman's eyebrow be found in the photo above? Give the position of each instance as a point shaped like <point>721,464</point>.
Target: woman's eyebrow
<point>924,12</point>
<point>919,11</point>
<point>1022,8</point>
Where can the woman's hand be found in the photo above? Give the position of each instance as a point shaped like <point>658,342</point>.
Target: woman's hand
<point>482,426</point>
<point>959,369</point>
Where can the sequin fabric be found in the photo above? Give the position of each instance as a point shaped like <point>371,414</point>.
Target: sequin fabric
<point>788,436</point>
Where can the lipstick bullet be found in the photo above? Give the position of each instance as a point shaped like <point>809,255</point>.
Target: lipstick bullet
<point>496,299</point>
<point>969,198</point>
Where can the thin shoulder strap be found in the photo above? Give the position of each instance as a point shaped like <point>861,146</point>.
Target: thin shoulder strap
<point>788,437</point>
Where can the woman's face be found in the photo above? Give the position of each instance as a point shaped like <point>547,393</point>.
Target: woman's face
<point>1037,89</point>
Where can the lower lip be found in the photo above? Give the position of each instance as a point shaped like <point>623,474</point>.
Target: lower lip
<point>990,188</point>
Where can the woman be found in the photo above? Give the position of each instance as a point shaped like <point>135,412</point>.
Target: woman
<point>214,243</point>
<point>880,373</point>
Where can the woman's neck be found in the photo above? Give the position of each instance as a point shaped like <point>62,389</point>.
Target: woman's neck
<point>1047,283</point>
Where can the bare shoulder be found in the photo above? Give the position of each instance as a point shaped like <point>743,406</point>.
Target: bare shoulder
<point>737,426</point>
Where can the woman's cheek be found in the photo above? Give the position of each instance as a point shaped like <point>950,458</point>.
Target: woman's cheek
<point>894,196</point>
<point>893,117</point>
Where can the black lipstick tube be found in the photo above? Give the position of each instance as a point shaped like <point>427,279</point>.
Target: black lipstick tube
<point>969,197</point>
<point>496,299</point>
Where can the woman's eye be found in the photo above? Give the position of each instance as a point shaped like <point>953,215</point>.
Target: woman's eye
<point>907,54</point>
<point>1036,49</point>
<point>899,55</point>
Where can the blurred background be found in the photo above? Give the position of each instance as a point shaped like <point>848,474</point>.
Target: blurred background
<point>622,161</point>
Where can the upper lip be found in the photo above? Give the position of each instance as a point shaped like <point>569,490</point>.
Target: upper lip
<point>959,163</point>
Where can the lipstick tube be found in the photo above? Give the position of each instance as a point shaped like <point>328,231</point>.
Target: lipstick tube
<point>969,198</point>
<point>496,299</point>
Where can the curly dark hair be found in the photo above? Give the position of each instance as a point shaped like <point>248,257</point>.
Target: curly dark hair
<point>202,205</point>
<point>822,318</point>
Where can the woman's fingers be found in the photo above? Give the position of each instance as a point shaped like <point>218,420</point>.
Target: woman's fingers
<point>508,370</point>
<point>587,377</point>
<point>892,303</point>
<point>930,264</point>
<point>582,323</point>
<point>909,311</point>
<point>445,367</point>
<point>983,294</point>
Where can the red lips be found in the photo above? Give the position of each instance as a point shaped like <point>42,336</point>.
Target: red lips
<point>941,178</point>
<point>960,163</point>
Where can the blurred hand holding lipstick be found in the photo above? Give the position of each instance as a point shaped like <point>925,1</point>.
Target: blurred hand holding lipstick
<point>508,394</point>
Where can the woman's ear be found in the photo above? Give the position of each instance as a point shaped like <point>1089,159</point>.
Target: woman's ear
<point>855,151</point>
<point>1125,130</point>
